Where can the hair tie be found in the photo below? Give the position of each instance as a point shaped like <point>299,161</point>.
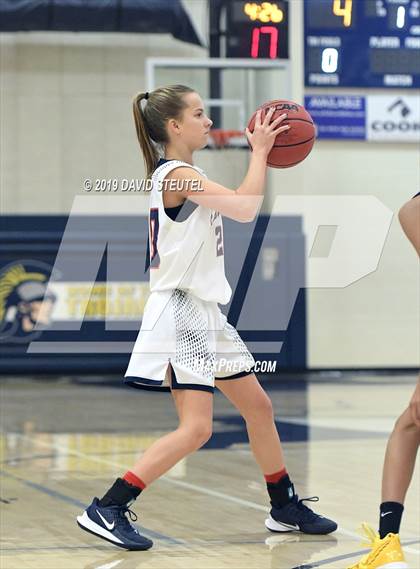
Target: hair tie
<point>146,95</point>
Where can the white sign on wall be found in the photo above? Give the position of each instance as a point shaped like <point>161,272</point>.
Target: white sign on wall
<point>393,118</point>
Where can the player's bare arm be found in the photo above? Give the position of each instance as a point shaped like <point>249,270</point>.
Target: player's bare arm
<point>241,204</point>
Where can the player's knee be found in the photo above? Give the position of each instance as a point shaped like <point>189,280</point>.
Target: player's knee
<point>202,435</point>
<point>262,408</point>
<point>408,213</point>
<point>413,427</point>
<point>402,422</point>
<point>405,423</point>
<point>402,213</point>
<point>198,434</point>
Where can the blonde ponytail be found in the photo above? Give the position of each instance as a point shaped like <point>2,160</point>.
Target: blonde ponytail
<point>161,105</point>
<point>150,153</point>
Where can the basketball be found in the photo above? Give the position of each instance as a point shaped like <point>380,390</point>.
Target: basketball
<point>291,147</point>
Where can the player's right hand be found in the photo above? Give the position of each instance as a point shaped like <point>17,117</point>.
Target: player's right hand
<point>265,132</point>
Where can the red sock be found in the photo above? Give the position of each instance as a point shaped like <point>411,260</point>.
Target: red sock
<point>134,480</point>
<point>276,477</point>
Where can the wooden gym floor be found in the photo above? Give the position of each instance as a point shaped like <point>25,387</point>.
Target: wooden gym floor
<point>64,440</point>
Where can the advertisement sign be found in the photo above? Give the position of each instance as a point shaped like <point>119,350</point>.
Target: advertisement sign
<point>338,116</point>
<point>376,118</point>
<point>393,118</point>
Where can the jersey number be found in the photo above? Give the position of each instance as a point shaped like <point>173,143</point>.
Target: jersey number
<point>219,242</point>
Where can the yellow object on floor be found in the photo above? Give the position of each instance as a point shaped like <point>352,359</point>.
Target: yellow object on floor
<point>385,553</point>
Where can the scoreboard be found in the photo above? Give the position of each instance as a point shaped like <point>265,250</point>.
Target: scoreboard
<point>362,43</point>
<point>257,30</point>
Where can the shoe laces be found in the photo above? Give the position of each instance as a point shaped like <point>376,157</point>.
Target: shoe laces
<point>123,520</point>
<point>371,540</point>
<point>310,515</point>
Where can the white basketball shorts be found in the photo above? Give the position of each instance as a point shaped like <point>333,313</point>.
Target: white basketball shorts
<point>191,335</point>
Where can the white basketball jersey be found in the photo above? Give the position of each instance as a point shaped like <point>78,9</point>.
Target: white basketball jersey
<point>186,255</point>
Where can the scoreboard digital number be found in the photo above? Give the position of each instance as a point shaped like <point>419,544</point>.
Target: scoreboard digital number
<point>257,30</point>
<point>362,43</point>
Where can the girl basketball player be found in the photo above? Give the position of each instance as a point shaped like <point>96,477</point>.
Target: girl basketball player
<point>401,452</point>
<point>185,343</point>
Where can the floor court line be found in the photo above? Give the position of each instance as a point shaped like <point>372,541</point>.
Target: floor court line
<point>339,558</point>
<point>79,504</point>
<point>57,547</point>
<point>39,456</point>
<point>188,485</point>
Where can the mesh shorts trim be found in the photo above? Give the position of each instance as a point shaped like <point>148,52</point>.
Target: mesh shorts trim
<point>148,384</point>
<point>235,376</point>
<point>154,385</point>
<point>193,386</point>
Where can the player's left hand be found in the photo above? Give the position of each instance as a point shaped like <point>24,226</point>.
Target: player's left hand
<point>415,404</point>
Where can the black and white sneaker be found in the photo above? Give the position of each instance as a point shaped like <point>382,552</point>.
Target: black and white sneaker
<point>111,523</point>
<point>295,516</point>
